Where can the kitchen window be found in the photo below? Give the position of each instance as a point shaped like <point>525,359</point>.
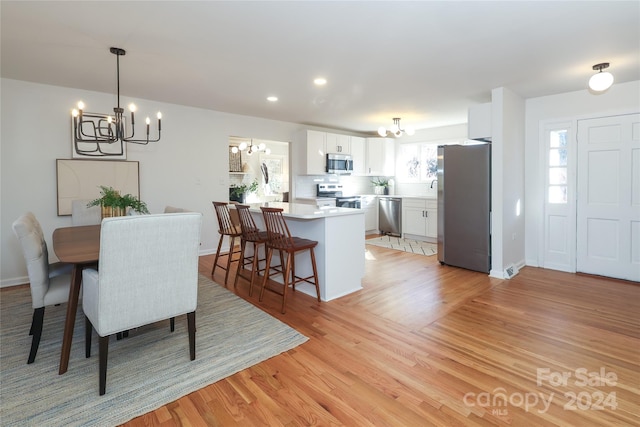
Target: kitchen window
<point>417,162</point>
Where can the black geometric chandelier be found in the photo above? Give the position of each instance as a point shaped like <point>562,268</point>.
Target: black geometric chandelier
<point>92,130</point>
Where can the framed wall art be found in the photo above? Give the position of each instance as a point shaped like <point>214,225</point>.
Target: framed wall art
<point>80,180</point>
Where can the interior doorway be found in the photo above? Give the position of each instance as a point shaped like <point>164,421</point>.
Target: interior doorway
<point>260,161</point>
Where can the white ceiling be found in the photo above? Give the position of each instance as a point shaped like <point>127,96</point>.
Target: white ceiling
<point>425,62</point>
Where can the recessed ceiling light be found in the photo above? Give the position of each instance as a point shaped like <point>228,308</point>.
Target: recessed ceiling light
<point>272,98</point>
<point>320,81</point>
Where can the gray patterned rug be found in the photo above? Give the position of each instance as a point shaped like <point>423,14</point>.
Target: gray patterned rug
<point>145,371</point>
<point>406,245</point>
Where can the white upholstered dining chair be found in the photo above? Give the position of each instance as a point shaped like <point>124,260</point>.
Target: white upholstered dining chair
<point>49,283</point>
<point>173,209</point>
<point>148,273</point>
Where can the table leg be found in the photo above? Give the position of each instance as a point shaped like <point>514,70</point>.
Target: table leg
<point>72,308</point>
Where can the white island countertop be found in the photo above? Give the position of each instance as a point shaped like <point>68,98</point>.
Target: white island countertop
<point>303,211</point>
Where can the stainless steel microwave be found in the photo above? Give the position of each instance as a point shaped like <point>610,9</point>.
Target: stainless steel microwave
<point>339,163</point>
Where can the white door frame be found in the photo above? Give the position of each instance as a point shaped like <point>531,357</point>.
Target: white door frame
<point>557,248</point>
<point>548,254</point>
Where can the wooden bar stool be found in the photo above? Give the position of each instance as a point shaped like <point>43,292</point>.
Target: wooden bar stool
<point>226,228</point>
<point>251,234</point>
<point>280,239</point>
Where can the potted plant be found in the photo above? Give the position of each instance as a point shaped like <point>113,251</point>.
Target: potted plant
<point>113,204</point>
<point>237,193</point>
<point>381,185</point>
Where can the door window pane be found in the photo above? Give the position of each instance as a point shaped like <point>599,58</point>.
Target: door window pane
<point>558,138</point>
<point>557,184</point>
<point>558,157</point>
<point>558,176</point>
<point>557,194</point>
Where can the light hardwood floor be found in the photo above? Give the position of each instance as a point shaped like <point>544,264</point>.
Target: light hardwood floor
<point>424,344</point>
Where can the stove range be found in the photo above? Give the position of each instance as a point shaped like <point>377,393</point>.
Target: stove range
<point>335,190</point>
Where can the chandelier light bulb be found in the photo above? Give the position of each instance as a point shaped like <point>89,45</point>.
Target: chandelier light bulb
<point>132,107</point>
<point>242,146</point>
<point>234,150</point>
<point>80,105</point>
<point>262,146</point>
<point>148,121</point>
<point>74,112</point>
<point>159,115</point>
<point>267,151</point>
<point>382,131</point>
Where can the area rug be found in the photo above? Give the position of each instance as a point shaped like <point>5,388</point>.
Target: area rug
<point>406,245</point>
<point>145,371</point>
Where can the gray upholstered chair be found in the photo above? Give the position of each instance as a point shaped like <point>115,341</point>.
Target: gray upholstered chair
<point>144,277</point>
<point>83,215</point>
<point>49,283</point>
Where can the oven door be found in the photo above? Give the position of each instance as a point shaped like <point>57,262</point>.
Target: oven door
<point>348,202</point>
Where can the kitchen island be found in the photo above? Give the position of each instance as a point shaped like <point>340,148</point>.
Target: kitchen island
<point>340,251</point>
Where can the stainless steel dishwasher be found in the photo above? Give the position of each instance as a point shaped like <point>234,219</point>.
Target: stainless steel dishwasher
<point>390,215</point>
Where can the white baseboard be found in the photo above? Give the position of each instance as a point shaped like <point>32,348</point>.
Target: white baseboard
<point>14,281</point>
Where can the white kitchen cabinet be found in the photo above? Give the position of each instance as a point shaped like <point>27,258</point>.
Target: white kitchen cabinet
<point>336,143</point>
<point>314,146</point>
<point>380,155</point>
<point>358,154</point>
<point>420,217</point>
<point>312,154</point>
<point>479,122</point>
<point>370,206</point>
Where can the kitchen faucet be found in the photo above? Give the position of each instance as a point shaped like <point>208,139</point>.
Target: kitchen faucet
<point>432,182</point>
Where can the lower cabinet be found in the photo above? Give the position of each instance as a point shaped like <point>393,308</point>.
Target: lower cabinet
<point>370,206</point>
<point>420,217</point>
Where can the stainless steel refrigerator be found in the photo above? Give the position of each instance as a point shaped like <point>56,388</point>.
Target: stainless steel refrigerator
<point>464,206</point>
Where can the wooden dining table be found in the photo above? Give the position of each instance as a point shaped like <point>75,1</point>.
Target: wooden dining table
<point>79,246</point>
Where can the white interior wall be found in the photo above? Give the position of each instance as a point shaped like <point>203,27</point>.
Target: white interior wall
<point>507,181</point>
<point>187,168</point>
<point>621,98</point>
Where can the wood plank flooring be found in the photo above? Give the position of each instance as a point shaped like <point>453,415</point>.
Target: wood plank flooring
<point>424,344</point>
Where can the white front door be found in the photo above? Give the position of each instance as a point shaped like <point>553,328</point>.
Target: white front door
<point>608,199</point>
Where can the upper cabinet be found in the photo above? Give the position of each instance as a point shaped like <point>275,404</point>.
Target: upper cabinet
<point>336,143</point>
<point>311,153</point>
<point>314,146</point>
<point>358,154</point>
<point>479,122</point>
<point>380,157</point>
